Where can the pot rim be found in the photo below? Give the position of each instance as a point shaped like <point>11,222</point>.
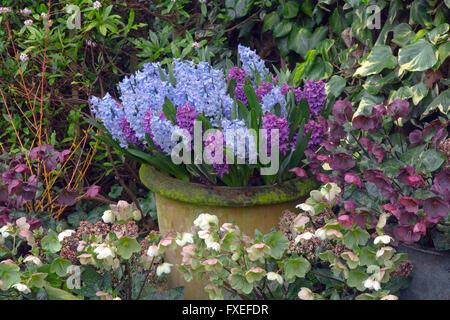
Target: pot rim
<point>224,196</point>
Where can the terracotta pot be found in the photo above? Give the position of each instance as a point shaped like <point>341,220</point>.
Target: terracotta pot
<point>179,203</point>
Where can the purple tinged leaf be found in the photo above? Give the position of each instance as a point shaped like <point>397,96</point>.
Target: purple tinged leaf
<point>67,197</point>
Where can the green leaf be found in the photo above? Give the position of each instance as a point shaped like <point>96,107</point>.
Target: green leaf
<point>444,52</point>
<point>59,266</point>
<point>270,20</point>
<point>282,28</point>
<point>37,280</point>
<point>417,56</point>
<point>419,13</point>
<point>356,279</point>
<point>9,274</point>
<point>240,283</point>
<point>432,159</point>
<point>50,242</point>
<point>335,86</point>
<point>308,7</point>
<point>419,91</point>
<point>302,40</point>
<point>290,9</point>
<point>441,102</point>
<point>277,243</point>
<point>296,267</point>
<point>438,33</point>
<point>127,247</point>
<point>402,34</point>
<point>379,58</point>
<point>59,294</point>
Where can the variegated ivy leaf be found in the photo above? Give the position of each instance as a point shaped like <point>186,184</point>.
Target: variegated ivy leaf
<point>379,58</point>
<point>417,56</point>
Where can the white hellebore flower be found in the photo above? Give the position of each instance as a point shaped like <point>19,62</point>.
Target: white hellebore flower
<point>33,259</point>
<point>307,208</point>
<point>384,239</point>
<point>22,288</point>
<point>6,230</point>
<point>305,236</point>
<point>186,237</point>
<point>205,220</point>
<point>163,269</point>
<point>65,233</point>
<point>305,294</point>
<point>153,251</point>
<point>204,234</point>
<point>103,251</point>
<point>275,276</point>
<point>330,190</point>
<point>371,283</point>
<point>108,216</point>
<point>211,244</point>
<point>321,234</point>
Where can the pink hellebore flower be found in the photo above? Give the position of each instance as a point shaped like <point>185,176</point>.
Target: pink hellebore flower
<point>346,221</point>
<point>353,178</point>
<point>410,203</point>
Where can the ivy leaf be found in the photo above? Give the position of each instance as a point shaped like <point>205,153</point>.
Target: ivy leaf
<point>50,242</point>
<point>419,14</point>
<point>290,9</point>
<point>127,247</point>
<point>441,102</point>
<point>355,238</point>
<point>438,33</point>
<point>9,274</point>
<point>335,86</point>
<point>417,56</point>
<point>402,34</point>
<point>419,91</point>
<point>277,243</point>
<point>282,28</point>
<point>379,58</point>
<point>270,20</point>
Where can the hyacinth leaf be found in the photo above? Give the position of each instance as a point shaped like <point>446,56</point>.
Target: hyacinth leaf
<point>169,110</point>
<point>243,112</point>
<point>231,87</point>
<point>9,274</point>
<point>127,247</point>
<point>159,162</point>
<point>59,266</point>
<point>326,111</point>
<point>59,294</point>
<point>253,100</point>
